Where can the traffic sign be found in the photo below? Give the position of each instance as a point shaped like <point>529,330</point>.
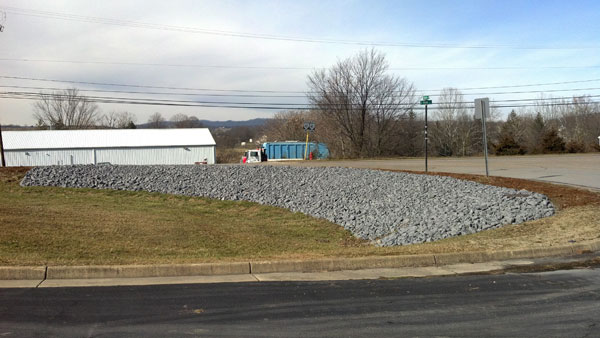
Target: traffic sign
<point>482,107</point>
<point>426,97</point>
<point>426,101</point>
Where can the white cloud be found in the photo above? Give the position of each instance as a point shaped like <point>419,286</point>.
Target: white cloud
<point>43,38</point>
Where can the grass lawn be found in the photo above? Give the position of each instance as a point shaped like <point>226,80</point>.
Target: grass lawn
<point>58,226</point>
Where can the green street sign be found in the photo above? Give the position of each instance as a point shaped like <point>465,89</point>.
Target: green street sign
<point>426,101</point>
<point>425,98</point>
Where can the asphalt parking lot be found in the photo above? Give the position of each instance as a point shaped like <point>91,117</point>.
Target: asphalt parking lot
<point>581,170</point>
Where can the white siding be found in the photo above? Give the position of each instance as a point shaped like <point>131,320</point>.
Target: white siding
<point>143,156</point>
<point>106,138</point>
<point>174,155</point>
<point>30,158</point>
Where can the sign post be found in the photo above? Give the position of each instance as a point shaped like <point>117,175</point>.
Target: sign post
<point>308,128</point>
<point>426,101</point>
<point>482,111</point>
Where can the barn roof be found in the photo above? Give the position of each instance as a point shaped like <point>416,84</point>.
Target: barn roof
<point>106,138</point>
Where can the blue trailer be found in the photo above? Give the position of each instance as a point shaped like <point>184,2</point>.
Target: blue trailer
<point>294,150</point>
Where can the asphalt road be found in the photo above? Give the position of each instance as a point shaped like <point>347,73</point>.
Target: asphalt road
<point>572,169</point>
<point>558,304</point>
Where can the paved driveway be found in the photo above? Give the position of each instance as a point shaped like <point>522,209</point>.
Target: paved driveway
<point>572,169</point>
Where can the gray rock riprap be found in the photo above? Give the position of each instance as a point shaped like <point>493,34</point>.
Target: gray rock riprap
<point>385,207</point>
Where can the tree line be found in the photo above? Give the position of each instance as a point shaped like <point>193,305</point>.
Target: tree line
<point>67,109</point>
<point>361,111</point>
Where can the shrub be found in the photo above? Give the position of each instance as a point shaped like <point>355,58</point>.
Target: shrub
<point>229,155</point>
<point>508,146</point>
<point>552,142</point>
<point>575,147</point>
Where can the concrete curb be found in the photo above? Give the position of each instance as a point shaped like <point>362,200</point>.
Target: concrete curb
<point>22,272</point>
<point>320,265</point>
<point>336,264</point>
<point>135,271</point>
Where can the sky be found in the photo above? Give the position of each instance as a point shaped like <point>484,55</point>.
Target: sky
<point>202,48</point>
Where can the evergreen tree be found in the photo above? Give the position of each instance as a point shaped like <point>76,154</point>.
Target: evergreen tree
<point>537,128</point>
<point>508,146</point>
<point>552,142</point>
<point>511,132</point>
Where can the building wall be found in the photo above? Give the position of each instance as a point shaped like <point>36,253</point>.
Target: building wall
<point>138,156</point>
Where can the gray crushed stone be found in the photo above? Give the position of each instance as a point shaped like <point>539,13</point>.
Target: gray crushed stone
<point>387,208</point>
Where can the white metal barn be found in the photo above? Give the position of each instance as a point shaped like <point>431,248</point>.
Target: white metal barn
<point>114,146</point>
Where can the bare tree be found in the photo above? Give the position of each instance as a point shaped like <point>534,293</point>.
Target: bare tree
<point>359,97</point>
<point>576,120</point>
<point>118,120</point>
<point>194,122</point>
<point>579,125</point>
<point>156,121</point>
<point>286,126</point>
<point>184,121</point>
<point>411,138</point>
<point>65,109</point>
<point>392,100</point>
<point>552,109</point>
<point>454,130</point>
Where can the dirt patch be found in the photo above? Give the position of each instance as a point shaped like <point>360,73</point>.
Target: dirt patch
<point>12,174</point>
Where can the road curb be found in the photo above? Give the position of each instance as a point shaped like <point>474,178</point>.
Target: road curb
<point>256,267</point>
<point>134,271</point>
<point>22,272</point>
<point>337,264</point>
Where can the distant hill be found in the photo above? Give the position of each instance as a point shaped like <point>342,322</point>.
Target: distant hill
<point>17,127</point>
<point>219,124</point>
<point>205,123</point>
<point>231,124</point>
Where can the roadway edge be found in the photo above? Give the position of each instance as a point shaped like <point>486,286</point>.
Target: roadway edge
<point>252,267</point>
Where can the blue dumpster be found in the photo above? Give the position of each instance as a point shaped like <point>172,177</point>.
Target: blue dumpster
<point>294,150</point>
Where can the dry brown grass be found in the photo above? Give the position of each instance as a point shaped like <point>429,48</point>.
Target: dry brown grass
<point>229,155</point>
<point>43,225</point>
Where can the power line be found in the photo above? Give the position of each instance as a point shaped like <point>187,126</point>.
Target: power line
<point>531,84</point>
<point>124,63</point>
<point>242,95</point>
<point>165,103</point>
<point>146,86</point>
<point>417,108</point>
<point>156,93</point>
<point>305,92</point>
<point>274,106</point>
<point>145,25</point>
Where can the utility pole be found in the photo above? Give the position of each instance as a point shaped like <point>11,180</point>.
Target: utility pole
<point>2,148</point>
<point>426,101</point>
<point>2,19</point>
